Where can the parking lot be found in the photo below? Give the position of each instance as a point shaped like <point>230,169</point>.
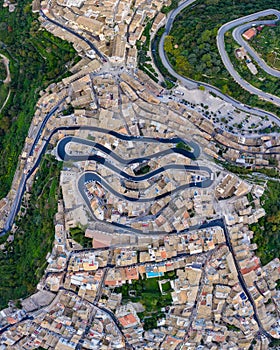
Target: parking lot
<point>223,114</point>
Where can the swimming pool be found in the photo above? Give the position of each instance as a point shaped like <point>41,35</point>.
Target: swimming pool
<point>154,274</point>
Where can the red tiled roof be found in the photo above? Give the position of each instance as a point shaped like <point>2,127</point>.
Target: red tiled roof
<point>131,273</point>
<point>250,33</point>
<point>128,320</point>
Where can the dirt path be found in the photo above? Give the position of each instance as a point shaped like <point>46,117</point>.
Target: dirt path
<point>8,79</point>
<point>6,63</point>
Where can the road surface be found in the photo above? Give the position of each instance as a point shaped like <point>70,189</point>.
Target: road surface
<point>92,176</point>
<point>227,62</point>
<point>90,44</point>
<point>237,36</point>
<point>6,63</point>
<point>61,147</point>
<point>192,84</point>
<point>22,184</point>
<point>7,80</point>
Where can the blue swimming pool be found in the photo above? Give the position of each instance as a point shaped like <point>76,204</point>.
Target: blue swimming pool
<point>154,274</point>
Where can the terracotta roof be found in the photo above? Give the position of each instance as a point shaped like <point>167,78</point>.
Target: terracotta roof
<point>250,33</point>
<point>128,320</point>
<point>131,273</point>
<point>11,320</point>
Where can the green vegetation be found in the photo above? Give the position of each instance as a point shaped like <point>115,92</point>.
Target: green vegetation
<point>143,47</point>
<point>267,229</point>
<point>275,343</point>
<point>268,130</point>
<point>166,287</point>
<point>251,200</point>
<point>232,327</point>
<point>183,145</point>
<point>267,44</point>
<point>4,238</point>
<point>23,262</point>
<point>172,6</point>
<point>169,82</point>
<point>192,50</point>
<point>143,170</point>
<point>261,80</point>
<point>148,294</point>
<point>4,90</point>
<point>241,170</point>
<point>250,197</point>
<point>78,234</point>
<point>3,72</point>
<point>68,110</point>
<point>254,342</point>
<point>36,59</point>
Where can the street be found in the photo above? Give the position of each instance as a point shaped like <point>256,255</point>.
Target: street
<point>192,84</point>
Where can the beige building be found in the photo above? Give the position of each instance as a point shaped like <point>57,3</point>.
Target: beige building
<point>90,24</point>
<point>118,49</point>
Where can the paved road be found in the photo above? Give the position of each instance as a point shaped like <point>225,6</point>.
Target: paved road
<point>213,223</point>
<point>240,276</point>
<point>192,84</point>
<point>6,101</point>
<point>227,62</point>
<point>16,204</point>
<point>102,308</point>
<point>194,146</point>
<point>90,44</point>
<point>237,36</point>
<point>22,184</point>
<point>6,63</point>
<point>23,180</point>
<point>92,176</point>
<point>62,153</point>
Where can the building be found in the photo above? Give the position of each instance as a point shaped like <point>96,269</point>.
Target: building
<point>250,33</point>
<point>128,321</point>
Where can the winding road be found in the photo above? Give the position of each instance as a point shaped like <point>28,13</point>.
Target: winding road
<point>92,176</point>
<point>237,36</point>
<point>7,80</point>
<point>6,63</point>
<point>62,153</point>
<point>192,84</point>
<point>22,184</point>
<point>188,82</point>
<point>227,62</point>
<point>25,176</point>
<point>90,44</point>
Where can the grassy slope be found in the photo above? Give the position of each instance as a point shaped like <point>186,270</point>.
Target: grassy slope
<point>197,56</point>
<point>36,59</point>
<point>267,44</point>
<point>261,80</point>
<point>23,262</point>
<point>267,230</point>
